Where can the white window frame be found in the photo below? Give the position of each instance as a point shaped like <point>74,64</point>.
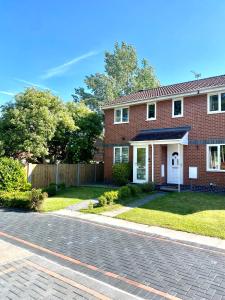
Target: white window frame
<point>219,111</point>
<point>148,104</point>
<point>218,153</point>
<point>182,107</point>
<point>121,119</point>
<point>121,155</point>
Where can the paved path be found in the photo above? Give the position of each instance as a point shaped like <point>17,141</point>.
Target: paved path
<point>146,265</point>
<point>138,203</point>
<point>24,275</point>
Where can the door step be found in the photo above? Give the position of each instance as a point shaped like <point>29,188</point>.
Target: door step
<point>169,188</point>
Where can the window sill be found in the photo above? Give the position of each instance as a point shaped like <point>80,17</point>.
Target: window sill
<point>216,171</point>
<point>152,119</point>
<point>215,112</point>
<point>179,116</point>
<point>116,123</point>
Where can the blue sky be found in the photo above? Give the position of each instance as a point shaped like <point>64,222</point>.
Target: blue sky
<point>54,44</point>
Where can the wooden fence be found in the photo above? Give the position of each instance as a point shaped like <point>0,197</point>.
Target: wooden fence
<point>41,175</point>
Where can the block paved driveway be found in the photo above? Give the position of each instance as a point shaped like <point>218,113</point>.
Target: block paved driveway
<point>145,265</point>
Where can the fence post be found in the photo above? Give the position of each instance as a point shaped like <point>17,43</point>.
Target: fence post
<point>78,174</point>
<point>29,172</point>
<point>57,175</point>
<point>95,172</point>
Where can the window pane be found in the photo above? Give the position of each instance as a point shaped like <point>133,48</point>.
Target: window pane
<point>118,115</point>
<point>125,115</point>
<point>151,111</point>
<point>213,158</point>
<point>117,155</point>
<point>214,103</point>
<point>223,102</point>
<point>222,157</point>
<point>125,154</point>
<point>177,109</point>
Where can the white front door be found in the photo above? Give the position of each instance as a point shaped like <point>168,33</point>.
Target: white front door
<point>175,164</point>
<point>140,164</point>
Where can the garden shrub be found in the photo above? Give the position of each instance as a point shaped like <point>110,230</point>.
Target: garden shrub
<point>121,173</point>
<point>102,201</point>
<point>51,190</point>
<point>36,199</point>
<point>111,197</point>
<point>135,189</point>
<point>90,205</point>
<point>147,187</point>
<point>124,192</point>
<point>12,175</point>
<point>61,186</point>
<point>31,200</point>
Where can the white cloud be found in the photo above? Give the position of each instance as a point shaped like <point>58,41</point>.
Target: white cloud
<point>61,69</point>
<point>7,93</point>
<point>34,84</point>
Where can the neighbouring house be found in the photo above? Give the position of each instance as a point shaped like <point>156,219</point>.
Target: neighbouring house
<point>172,134</point>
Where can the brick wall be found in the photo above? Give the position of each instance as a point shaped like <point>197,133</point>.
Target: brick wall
<point>206,128</point>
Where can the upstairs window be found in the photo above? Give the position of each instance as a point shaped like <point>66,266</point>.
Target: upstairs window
<point>177,108</point>
<point>121,115</point>
<point>216,158</point>
<point>121,155</point>
<point>216,103</point>
<point>151,111</point>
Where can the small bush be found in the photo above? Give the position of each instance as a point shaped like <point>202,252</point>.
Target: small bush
<point>147,187</point>
<point>111,197</point>
<point>135,189</point>
<point>31,200</point>
<point>12,175</point>
<point>51,190</point>
<point>36,199</point>
<point>90,205</point>
<point>102,201</point>
<point>61,186</point>
<point>124,192</point>
<point>121,173</point>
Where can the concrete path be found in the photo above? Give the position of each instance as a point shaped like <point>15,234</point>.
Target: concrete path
<point>129,206</point>
<point>145,265</point>
<point>81,205</point>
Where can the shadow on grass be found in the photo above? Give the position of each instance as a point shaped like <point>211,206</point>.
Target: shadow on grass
<point>186,203</point>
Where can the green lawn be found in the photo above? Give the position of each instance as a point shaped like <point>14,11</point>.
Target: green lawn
<point>71,196</point>
<point>199,213</point>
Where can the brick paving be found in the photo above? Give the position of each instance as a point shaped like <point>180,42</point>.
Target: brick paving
<point>163,268</point>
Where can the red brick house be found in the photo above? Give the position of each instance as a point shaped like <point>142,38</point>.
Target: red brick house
<point>172,134</point>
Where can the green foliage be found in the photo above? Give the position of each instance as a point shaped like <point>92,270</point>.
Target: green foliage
<point>102,201</point>
<point>122,76</point>
<point>90,205</point>
<point>36,199</point>
<point>29,123</point>
<point>121,173</point>
<point>124,192</point>
<point>51,190</point>
<point>135,189</point>
<point>111,197</point>
<point>147,187</point>
<point>31,200</point>
<point>12,175</point>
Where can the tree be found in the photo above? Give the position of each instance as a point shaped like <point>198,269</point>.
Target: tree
<point>122,76</point>
<point>81,146</point>
<point>29,123</point>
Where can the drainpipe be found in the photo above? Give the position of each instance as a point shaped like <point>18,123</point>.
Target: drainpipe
<point>153,162</point>
<point>179,155</point>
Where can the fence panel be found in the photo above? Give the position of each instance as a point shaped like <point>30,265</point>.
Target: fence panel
<point>41,175</point>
